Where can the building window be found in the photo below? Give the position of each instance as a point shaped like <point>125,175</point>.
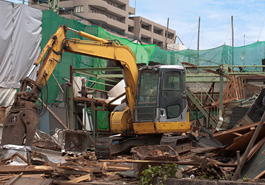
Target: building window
<point>116,5</point>
<point>111,16</point>
<point>131,29</point>
<point>146,39</point>
<point>158,31</point>
<point>170,35</point>
<point>146,27</point>
<point>79,9</point>
<point>92,10</point>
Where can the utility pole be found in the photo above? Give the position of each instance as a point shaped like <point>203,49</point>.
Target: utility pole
<point>23,1</point>
<point>167,32</point>
<point>232,26</point>
<point>135,7</point>
<point>198,42</point>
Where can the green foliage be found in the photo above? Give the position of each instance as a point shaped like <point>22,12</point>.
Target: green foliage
<point>230,175</point>
<point>245,178</point>
<point>165,171</point>
<point>205,176</point>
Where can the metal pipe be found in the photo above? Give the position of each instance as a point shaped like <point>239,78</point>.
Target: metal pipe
<point>32,69</point>
<point>88,36</point>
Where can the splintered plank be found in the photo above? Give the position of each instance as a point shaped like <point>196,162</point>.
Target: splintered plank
<point>82,178</point>
<point>227,136</point>
<point>241,142</point>
<point>255,149</point>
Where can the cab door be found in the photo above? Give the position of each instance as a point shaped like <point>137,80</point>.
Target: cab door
<point>172,96</point>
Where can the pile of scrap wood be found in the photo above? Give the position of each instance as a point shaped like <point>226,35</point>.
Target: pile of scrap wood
<point>214,162</point>
<point>77,169</point>
<point>207,156</point>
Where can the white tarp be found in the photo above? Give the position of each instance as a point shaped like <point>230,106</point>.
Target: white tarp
<point>20,38</point>
<point>7,96</point>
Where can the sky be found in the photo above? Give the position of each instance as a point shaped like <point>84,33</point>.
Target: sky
<point>215,27</point>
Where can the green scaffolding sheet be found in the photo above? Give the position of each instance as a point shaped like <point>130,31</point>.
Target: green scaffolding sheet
<point>245,55</point>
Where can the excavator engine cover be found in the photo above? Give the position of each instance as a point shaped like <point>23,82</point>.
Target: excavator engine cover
<point>20,124</point>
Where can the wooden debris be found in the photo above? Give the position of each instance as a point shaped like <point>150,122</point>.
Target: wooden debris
<point>241,142</point>
<point>31,181</point>
<point>205,150</point>
<point>26,169</point>
<point>207,169</point>
<point>260,175</point>
<point>14,179</point>
<point>82,178</point>
<point>227,136</point>
<point>255,149</point>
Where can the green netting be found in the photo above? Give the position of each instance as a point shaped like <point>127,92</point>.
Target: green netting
<point>245,55</point>
<point>50,23</point>
<point>143,52</point>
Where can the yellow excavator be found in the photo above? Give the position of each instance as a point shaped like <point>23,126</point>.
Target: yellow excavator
<point>156,102</point>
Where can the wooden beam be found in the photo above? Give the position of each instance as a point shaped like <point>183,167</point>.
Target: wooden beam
<point>190,163</point>
<point>26,169</point>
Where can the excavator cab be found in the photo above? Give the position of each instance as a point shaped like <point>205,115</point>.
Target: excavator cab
<point>161,97</point>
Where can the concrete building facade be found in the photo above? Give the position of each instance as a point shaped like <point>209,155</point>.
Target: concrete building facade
<point>116,16</point>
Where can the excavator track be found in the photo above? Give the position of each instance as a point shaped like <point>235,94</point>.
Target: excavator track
<point>103,147</point>
<point>109,146</point>
<point>179,143</point>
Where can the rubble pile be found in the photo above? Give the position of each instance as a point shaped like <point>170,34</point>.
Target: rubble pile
<point>47,164</point>
<point>67,157</point>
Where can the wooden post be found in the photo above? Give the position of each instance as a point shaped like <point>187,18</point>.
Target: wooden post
<point>238,158</point>
<point>221,84</point>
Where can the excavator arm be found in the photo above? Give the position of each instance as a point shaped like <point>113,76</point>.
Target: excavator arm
<point>21,122</point>
<point>109,50</point>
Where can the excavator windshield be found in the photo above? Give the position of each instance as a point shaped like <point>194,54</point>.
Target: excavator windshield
<point>148,87</point>
<point>147,95</point>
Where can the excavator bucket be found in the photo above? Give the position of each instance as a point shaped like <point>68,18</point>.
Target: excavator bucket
<point>20,124</point>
